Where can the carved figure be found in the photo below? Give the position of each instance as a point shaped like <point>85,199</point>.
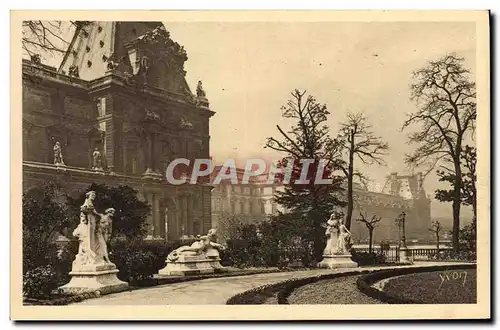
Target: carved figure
<point>58,156</point>
<point>331,233</point>
<point>186,123</point>
<point>96,160</point>
<point>339,237</point>
<point>35,59</point>
<point>81,233</point>
<point>144,66</point>
<point>93,233</point>
<point>73,71</point>
<point>199,90</point>
<point>205,245</point>
<point>103,234</point>
<point>344,239</point>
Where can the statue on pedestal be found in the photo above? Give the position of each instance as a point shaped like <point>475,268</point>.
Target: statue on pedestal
<point>58,157</point>
<point>93,232</point>
<point>204,245</point>
<point>336,253</point>
<point>339,237</point>
<point>92,269</point>
<point>201,257</point>
<point>200,92</point>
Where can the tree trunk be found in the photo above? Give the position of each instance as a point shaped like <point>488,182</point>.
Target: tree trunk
<point>350,197</point>
<point>437,242</point>
<point>370,243</point>
<point>457,200</point>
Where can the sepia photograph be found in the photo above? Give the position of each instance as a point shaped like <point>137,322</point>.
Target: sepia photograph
<point>172,165</point>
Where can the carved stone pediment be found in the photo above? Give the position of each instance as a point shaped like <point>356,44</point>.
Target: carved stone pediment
<point>158,61</point>
<point>185,123</point>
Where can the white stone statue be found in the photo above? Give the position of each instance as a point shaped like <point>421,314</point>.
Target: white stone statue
<point>204,246</point>
<point>336,253</point>
<point>344,238</point>
<point>58,157</point>
<point>339,237</point>
<point>96,160</point>
<point>103,234</point>
<point>92,270</point>
<point>93,232</point>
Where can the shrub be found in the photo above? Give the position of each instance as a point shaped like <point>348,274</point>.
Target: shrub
<point>449,255</point>
<point>43,217</point>
<point>268,244</point>
<point>139,260</point>
<point>244,250</point>
<point>39,282</point>
<point>365,258</point>
<point>64,261</point>
<point>131,212</point>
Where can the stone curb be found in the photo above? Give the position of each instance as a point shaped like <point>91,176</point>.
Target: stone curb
<point>286,287</point>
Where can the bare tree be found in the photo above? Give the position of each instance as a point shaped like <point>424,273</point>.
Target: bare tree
<point>436,229</point>
<point>370,224</point>
<point>446,99</point>
<point>47,36</point>
<point>358,142</point>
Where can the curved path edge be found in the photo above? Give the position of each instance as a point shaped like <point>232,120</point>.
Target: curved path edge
<point>284,289</point>
<point>367,283</point>
<point>218,291</point>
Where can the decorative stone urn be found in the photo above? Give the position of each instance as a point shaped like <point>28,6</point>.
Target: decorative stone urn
<point>336,253</point>
<point>92,270</point>
<point>202,257</point>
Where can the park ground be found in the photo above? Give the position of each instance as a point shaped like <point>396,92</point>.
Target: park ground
<point>217,291</point>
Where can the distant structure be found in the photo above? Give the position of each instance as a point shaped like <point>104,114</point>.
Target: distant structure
<point>120,110</point>
<point>252,202</point>
<point>400,193</point>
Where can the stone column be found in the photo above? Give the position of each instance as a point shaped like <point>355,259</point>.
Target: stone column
<point>149,220</point>
<point>190,214</point>
<point>149,152</point>
<point>154,166</point>
<point>158,223</point>
<point>162,218</point>
<point>184,227</point>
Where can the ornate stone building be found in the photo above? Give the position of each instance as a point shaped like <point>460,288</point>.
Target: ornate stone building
<point>119,100</point>
<point>401,193</point>
<point>252,201</point>
<point>405,193</point>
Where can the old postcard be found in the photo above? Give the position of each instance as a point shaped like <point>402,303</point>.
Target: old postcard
<point>173,165</point>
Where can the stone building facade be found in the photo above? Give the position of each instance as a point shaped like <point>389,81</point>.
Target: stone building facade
<point>120,91</point>
<point>401,193</point>
<point>252,202</point>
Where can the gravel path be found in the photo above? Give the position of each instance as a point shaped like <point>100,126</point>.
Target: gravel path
<point>340,291</point>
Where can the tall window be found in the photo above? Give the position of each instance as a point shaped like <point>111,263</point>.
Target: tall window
<point>134,165</point>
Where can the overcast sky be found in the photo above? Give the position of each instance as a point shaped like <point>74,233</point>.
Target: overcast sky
<point>249,69</point>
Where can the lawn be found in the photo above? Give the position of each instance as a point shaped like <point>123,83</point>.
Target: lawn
<point>341,290</point>
<point>441,287</point>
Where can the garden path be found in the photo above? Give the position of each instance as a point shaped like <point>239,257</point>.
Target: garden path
<point>217,291</point>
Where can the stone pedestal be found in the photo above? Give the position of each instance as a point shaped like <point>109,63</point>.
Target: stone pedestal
<point>94,277</point>
<point>337,261</point>
<point>405,256</point>
<point>187,265</point>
